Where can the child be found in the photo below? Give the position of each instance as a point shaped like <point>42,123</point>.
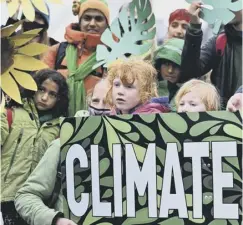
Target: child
<point>133,84</point>
<point>31,129</point>
<point>197,96</point>
<point>168,63</point>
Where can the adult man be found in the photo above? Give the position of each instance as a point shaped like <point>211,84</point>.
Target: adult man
<point>178,23</point>
<point>227,67</point>
<point>76,57</point>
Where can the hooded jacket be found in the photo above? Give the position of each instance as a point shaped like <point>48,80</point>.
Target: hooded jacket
<point>226,69</point>
<point>23,147</point>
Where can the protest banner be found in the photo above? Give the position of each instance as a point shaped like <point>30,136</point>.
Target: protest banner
<point>168,169</point>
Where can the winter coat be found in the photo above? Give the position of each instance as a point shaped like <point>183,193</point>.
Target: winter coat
<point>23,148</point>
<point>146,108</point>
<point>226,69</point>
<point>29,200</point>
<point>86,44</point>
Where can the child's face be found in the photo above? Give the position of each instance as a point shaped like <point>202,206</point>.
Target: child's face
<point>125,97</point>
<point>170,71</point>
<point>47,95</point>
<point>191,102</point>
<point>99,95</point>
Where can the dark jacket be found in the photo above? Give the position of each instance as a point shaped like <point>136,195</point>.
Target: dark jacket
<point>239,90</point>
<point>226,69</point>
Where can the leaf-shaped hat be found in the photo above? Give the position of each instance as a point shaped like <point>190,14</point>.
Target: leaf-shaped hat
<point>134,30</point>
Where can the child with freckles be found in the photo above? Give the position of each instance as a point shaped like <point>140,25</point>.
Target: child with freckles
<point>132,86</point>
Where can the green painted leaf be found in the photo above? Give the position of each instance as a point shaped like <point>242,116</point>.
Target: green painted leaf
<point>133,136</point>
<point>74,218</point>
<point>99,135</point>
<point>160,153</point>
<point>175,122</point>
<point>227,168</point>
<point>79,190</point>
<point>190,217</point>
<point>233,161</point>
<point>173,221</point>
<point>193,116</point>
<point>108,193</point>
<point>168,137</point>
<point>125,117</point>
<point>139,150</point>
<point>159,183</point>
<point>105,223</point>
<point>218,222</point>
<point>234,222</point>
<point>224,115</point>
<point>218,138</point>
<point>207,198</point>
<point>142,199</point>
<point>107,181</point>
<point>66,132</point>
<point>233,131</point>
<point>202,127</point>
<point>89,127</point>
<point>189,200</point>
<point>146,131</point>
<point>120,125</point>
<point>148,118</point>
<point>215,129</point>
<point>112,137</point>
<point>104,165</point>
<point>90,219</point>
<point>141,218</point>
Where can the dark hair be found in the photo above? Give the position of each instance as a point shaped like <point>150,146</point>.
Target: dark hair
<point>61,106</point>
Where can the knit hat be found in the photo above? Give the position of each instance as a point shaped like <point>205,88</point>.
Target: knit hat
<point>179,14</point>
<point>171,50</point>
<point>80,6</point>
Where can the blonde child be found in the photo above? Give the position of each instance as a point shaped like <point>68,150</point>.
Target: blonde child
<point>197,96</point>
<point>132,86</point>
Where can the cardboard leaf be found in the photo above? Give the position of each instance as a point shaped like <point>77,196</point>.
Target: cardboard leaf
<point>28,10</point>
<point>12,7</point>
<point>27,36</point>
<point>7,31</point>
<point>135,28</point>
<point>33,49</point>
<point>28,63</point>
<point>24,79</point>
<point>2,102</point>
<point>40,4</point>
<point>10,87</point>
<point>220,11</point>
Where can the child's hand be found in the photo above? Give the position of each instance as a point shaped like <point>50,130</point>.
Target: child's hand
<point>235,102</point>
<point>63,221</point>
<point>194,11</point>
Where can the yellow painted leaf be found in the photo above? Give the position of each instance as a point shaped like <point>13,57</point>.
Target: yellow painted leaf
<point>33,49</point>
<point>40,4</point>
<point>7,31</point>
<point>28,10</point>
<point>55,1</point>
<point>24,79</point>
<point>10,87</point>
<point>28,63</point>
<point>22,39</point>
<point>12,7</point>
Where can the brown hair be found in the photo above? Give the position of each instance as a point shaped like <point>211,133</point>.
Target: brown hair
<point>130,70</point>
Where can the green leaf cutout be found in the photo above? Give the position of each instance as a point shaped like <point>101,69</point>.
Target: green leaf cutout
<point>175,122</point>
<point>233,131</point>
<point>215,129</point>
<point>190,217</point>
<point>234,222</point>
<point>193,116</point>
<point>148,118</point>
<point>173,221</point>
<point>227,168</point>
<point>90,219</point>
<point>108,193</point>
<point>66,132</point>
<point>145,130</point>
<point>137,22</point>
<point>120,125</point>
<point>133,136</point>
<point>224,115</point>
<point>218,222</point>
<point>99,135</point>
<point>202,127</point>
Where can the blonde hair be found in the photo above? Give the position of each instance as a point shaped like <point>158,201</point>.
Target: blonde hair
<point>130,70</point>
<point>207,92</point>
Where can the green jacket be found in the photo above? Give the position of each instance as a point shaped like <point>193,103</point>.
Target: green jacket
<point>23,147</point>
<point>29,200</point>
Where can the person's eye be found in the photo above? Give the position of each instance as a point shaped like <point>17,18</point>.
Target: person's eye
<point>41,89</point>
<point>181,103</point>
<point>193,104</point>
<point>95,100</point>
<point>87,18</point>
<point>99,18</point>
<point>129,86</point>
<point>53,94</point>
<point>174,25</point>
<point>116,84</point>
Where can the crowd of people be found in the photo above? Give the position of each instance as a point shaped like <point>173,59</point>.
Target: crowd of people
<point>170,82</point>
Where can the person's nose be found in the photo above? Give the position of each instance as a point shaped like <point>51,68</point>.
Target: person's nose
<point>170,68</point>
<point>120,91</point>
<point>92,23</point>
<point>44,97</point>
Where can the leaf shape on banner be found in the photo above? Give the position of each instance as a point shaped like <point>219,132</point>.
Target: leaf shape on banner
<point>202,127</point>
<point>218,222</point>
<point>7,31</point>
<point>233,131</point>
<point>90,219</point>
<point>218,12</point>
<point>173,221</point>
<point>225,115</point>
<point>190,217</point>
<point>145,130</point>
<point>140,28</point>
<point>120,125</point>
